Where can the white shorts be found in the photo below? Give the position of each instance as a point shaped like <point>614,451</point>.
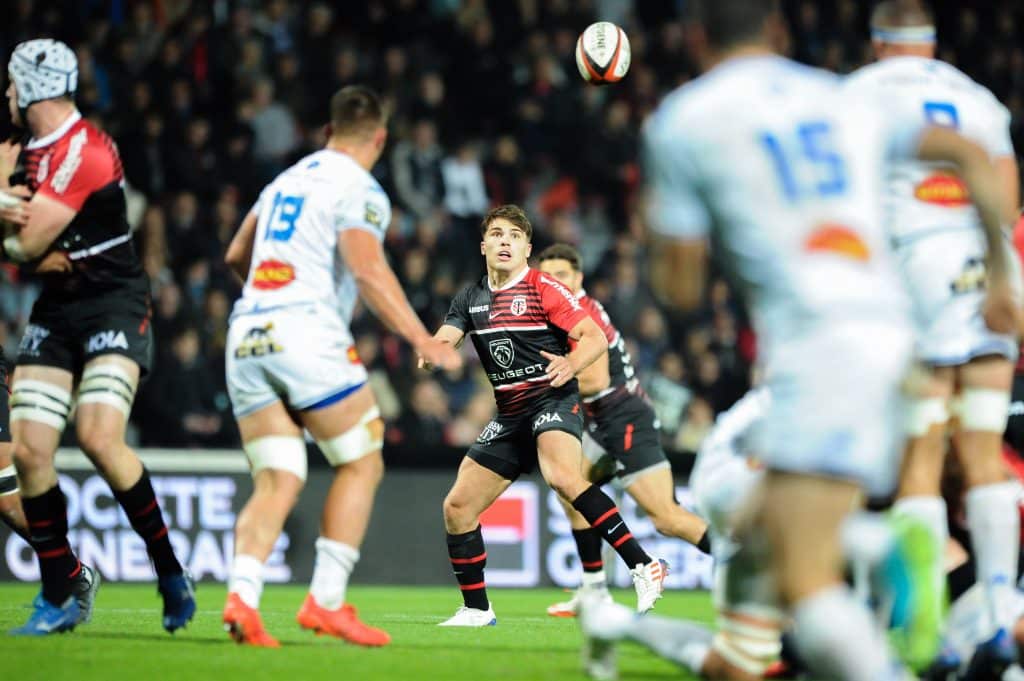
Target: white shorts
<point>296,354</point>
<point>967,623</point>
<point>837,406</point>
<point>944,274</point>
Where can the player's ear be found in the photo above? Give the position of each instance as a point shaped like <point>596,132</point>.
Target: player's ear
<point>380,138</point>
<point>483,248</point>
<point>529,249</point>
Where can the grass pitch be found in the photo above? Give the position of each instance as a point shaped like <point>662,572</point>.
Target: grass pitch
<point>125,640</point>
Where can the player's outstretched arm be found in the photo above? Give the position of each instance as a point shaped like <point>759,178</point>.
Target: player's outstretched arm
<point>986,188</point>
<point>381,291</point>
<point>239,254</point>
<point>448,335</point>
<point>590,345</point>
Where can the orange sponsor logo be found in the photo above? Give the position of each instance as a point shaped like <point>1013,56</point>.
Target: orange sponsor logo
<point>943,189</point>
<point>837,240</point>
<point>272,274</point>
<point>353,356</point>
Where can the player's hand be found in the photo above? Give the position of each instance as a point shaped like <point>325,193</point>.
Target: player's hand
<point>14,208</point>
<point>559,370</point>
<point>1002,310</point>
<point>55,261</point>
<point>436,354</point>
<point>8,159</point>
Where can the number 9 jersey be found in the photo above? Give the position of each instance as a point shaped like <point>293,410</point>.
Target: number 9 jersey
<point>295,258</point>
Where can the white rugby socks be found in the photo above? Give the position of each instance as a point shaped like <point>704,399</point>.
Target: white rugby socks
<point>994,523</point>
<point>334,564</point>
<point>246,579</point>
<point>855,650</point>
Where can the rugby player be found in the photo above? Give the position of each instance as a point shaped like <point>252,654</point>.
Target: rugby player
<point>784,168</point>
<point>89,328</point>
<point>943,254</point>
<point>626,438</point>
<point>307,251</point>
<point>521,321</point>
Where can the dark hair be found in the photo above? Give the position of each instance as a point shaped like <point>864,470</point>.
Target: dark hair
<point>900,13</point>
<point>513,214</point>
<point>356,110</point>
<point>562,252</point>
<point>730,22</point>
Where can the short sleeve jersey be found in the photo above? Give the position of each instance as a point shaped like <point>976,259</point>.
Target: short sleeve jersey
<point>509,328</point>
<point>784,169</point>
<point>78,166</point>
<point>295,258</point>
<point>921,197</point>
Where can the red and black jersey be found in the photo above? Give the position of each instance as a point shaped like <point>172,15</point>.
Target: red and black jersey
<point>620,368</point>
<point>79,166</point>
<point>510,327</point>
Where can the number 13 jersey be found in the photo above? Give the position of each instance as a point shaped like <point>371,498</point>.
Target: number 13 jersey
<point>295,258</point>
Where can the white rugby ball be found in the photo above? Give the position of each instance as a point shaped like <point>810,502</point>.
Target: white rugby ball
<point>602,53</point>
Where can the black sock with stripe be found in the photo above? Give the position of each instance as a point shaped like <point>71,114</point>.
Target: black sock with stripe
<point>602,514</point>
<point>588,544</point>
<point>47,516</point>
<point>469,558</point>
<point>143,511</point>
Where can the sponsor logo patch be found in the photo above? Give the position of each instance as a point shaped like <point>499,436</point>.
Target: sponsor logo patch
<point>837,240</point>
<point>546,418</point>
<point>502,352</point>
<point>272,274</point>
<point>490,431</point>
<point>106,340</point>
<point>971,278</point>
<point>43,171</point>
<point>258,342</point>
<point>374,215</point>
<point>34,336</point>
<point>353,356</point>
<point>943,189</point>
<point>479,308</point>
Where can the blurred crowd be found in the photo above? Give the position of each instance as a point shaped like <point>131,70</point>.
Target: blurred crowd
<point>208,100</point>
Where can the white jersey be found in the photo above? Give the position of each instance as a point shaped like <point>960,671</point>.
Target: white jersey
<point>927,198</point>
<point>295,258</point>
<point>786,169</point>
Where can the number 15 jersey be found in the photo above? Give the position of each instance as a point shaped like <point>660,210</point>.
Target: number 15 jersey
<point>295,258</point>
<point>786,170</point>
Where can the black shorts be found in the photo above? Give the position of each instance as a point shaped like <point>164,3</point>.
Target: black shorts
<point>508,444</point>
<point>626,427</point>
<point>66,334</point>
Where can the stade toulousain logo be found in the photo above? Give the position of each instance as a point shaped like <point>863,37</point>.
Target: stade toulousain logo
<point>518,306</point>
<point>502,352</point>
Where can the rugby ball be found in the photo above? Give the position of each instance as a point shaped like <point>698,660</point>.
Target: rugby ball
<point>602,53</point>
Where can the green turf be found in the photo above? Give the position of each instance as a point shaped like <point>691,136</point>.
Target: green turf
<point>125,639</point>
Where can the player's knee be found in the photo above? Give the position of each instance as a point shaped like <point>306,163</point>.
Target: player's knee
<point>361,441</point>
<point>29,457</point>
<point>457,514</point>
<point>99,440</point>
<point>369,469</point>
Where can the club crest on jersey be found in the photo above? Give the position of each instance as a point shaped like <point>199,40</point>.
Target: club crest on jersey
<point>943,189</point>
<point>272,274</point>
<point>43,171</point>
<point>502,352</point>
<point>490,431</point>
<point>518,306</point>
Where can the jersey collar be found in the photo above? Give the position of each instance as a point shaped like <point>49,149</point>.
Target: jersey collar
<point>508,284</point>
<point>56,134</point>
